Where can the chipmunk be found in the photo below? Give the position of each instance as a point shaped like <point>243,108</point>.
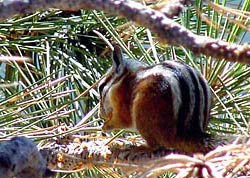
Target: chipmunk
<point>167,103</point>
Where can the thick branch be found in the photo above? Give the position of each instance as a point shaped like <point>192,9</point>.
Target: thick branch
<point>66,155</point>
<point>167,30</point>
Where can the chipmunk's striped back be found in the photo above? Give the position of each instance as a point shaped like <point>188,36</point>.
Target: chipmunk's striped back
<point>190,93</point>
<point>168,103</point>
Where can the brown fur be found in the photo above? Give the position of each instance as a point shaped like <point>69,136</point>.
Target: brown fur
<point>121,101</point>
<point>142,99</point>
<point>153,112</point>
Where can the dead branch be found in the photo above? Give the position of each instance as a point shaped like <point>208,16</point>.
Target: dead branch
<point>20,158</point>
<point>168,31</point>
<point>74,154</point>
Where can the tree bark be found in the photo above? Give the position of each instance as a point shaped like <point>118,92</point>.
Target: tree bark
<point>167,30</point>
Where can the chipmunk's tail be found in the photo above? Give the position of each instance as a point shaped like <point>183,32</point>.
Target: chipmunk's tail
<point>211,141</point>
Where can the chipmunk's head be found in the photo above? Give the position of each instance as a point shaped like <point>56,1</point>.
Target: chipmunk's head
<point>114,92</point>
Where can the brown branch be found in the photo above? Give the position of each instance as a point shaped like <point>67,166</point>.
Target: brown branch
<point>168,31</point>
<point>19,157</point>
<point>73,154</point>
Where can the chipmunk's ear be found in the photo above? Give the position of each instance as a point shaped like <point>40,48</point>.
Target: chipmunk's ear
<point>117,59</point>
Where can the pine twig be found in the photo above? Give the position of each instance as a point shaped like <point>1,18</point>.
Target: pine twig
<point>168,31</point>
<point>69,155</point>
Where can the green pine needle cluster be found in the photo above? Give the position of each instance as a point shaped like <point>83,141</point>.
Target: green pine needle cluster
<point>52,60</point>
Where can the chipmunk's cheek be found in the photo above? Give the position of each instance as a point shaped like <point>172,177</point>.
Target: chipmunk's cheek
<point>105,112</point>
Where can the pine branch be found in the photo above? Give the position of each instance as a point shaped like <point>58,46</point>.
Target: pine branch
<point>67,155</point>
<point>71,153</point>
<point>167,30</point>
